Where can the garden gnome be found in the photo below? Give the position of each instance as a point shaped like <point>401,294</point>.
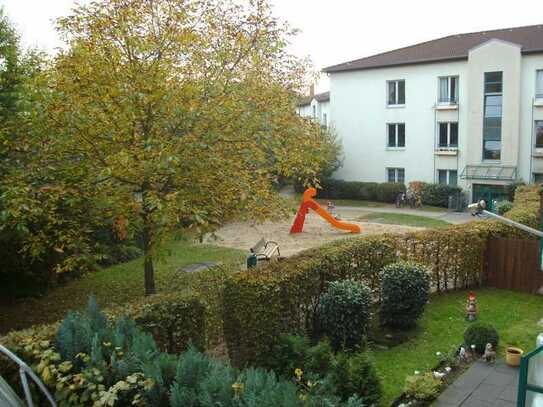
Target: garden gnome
<point>471,307</point>
<point>490,354</point>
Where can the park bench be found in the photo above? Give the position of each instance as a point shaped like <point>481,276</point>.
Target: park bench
<point>265,249</point>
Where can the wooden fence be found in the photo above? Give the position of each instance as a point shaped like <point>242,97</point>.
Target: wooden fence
<point>513,264</point>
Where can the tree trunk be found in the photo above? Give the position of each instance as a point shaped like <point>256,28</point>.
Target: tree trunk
<point>148,262</point>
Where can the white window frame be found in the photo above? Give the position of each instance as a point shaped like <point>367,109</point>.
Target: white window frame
<point>448,176</point>
<point>396,138</point>
<point>448,146</point>
<point>538,92</point>
<point>396,92</point>
<point>396,174</point>
<point>449,85</point>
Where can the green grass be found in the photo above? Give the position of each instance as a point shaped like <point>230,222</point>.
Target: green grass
<point>114,285</point>
<point>403,219</point>
<point>515,316</point>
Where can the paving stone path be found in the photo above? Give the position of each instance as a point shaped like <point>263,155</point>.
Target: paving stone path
<point>482,385</point>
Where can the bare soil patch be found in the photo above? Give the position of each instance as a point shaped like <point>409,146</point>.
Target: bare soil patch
<point>244,235</point>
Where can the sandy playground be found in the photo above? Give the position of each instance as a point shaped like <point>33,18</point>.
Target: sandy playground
<point>244,235</point>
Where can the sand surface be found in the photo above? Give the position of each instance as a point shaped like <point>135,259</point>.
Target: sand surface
<point>244,235</point>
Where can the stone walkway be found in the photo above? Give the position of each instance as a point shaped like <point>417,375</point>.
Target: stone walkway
<point>482,385</point>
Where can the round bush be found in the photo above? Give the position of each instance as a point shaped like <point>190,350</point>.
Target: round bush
<point>479,334</point>
<point>405,288</point>
<point>503,207</point>
<point>355,374</point>
<point>344,312</point>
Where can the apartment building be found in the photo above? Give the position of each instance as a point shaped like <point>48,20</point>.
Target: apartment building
<point>463,110</point>
<point>316,106</point>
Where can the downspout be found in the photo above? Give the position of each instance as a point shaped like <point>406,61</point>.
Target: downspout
<point>531,142</point>
<point>435,141</point>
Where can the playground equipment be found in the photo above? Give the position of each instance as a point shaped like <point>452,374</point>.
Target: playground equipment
<point>309,203</point>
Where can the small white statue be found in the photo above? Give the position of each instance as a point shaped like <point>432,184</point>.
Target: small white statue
<point>490,354</point>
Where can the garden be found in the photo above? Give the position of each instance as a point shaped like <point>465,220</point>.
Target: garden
<point>127,156</point>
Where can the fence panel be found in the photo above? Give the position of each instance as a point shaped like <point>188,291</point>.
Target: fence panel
<point>513,264</point>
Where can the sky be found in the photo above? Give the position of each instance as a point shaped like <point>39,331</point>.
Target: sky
<point>331,32</point>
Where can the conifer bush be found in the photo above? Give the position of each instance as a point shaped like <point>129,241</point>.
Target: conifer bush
<point>479,334</point>
<point>344,313</point>
<point>405,288</point>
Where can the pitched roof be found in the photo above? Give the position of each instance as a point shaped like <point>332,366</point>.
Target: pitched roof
<point>530,38</point>
<point>319,97</point>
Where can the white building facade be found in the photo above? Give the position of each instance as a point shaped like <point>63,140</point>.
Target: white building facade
<point>316,107</point>
<point>464,110</point>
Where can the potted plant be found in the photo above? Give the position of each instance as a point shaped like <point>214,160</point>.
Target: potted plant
<point>513,355</point>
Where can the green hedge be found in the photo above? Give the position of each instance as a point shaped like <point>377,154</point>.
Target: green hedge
<point>282,298</point>
<point>368,191</point>
<point>431,194</point>
<point>437,194</point>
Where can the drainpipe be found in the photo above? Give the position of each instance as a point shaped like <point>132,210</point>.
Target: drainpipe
<point>435,141</point>
<point>531,142</point>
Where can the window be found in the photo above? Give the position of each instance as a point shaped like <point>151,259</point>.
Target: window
<point>538,177</point>
<point>314,111</point>
<point>492,124</point>
<point>538,134</point>
<point>447,177</point>
<point>448,135</point>
<point>325,120</point>
<point>396,175</point>
<point>448,90</point>
<point>539,84</point>
<point>396,92</point>
<point>396,135</point>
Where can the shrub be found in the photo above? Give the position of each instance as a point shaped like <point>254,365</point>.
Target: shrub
<point>437,194</point>
<point>344,312</point>
<point>405,289</point>
<point>479,334</point>
<point>174,321</point>
<point>422,387</point>
<point>290,353</point>
<point>281,297</point>
<point>120,365</point>
<point>503,207</point>
<point>355,374</point>
<point>388,191</point>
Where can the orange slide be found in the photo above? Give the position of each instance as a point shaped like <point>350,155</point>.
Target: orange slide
<point>309,203</point>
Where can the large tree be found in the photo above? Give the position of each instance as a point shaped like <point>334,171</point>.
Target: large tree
<point>178,113</point>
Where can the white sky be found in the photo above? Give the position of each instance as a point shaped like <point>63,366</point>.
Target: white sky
<point>333,31</point>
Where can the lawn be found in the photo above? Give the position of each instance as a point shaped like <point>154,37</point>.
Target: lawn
<point>114,285</point>
<point>515,316</point>
<point>403,219</point>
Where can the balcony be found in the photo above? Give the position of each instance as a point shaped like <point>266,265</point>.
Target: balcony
<point>446,103</point>
<point>446,151</point>
<point>538,100</point>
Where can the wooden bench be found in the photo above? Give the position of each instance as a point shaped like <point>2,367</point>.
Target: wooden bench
<point>265,249</point>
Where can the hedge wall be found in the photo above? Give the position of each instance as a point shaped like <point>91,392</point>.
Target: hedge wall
<point>431,194</point>
<point>261,304</point>
<point>437,194</point>
<point>369,191</point>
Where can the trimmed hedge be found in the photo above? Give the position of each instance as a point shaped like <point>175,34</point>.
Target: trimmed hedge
<point>282,297</point>
<point>405,288</point>
<point>367,191</point>
<point>344,313</point>
<point>430,194</point>
<point>437,194</point>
